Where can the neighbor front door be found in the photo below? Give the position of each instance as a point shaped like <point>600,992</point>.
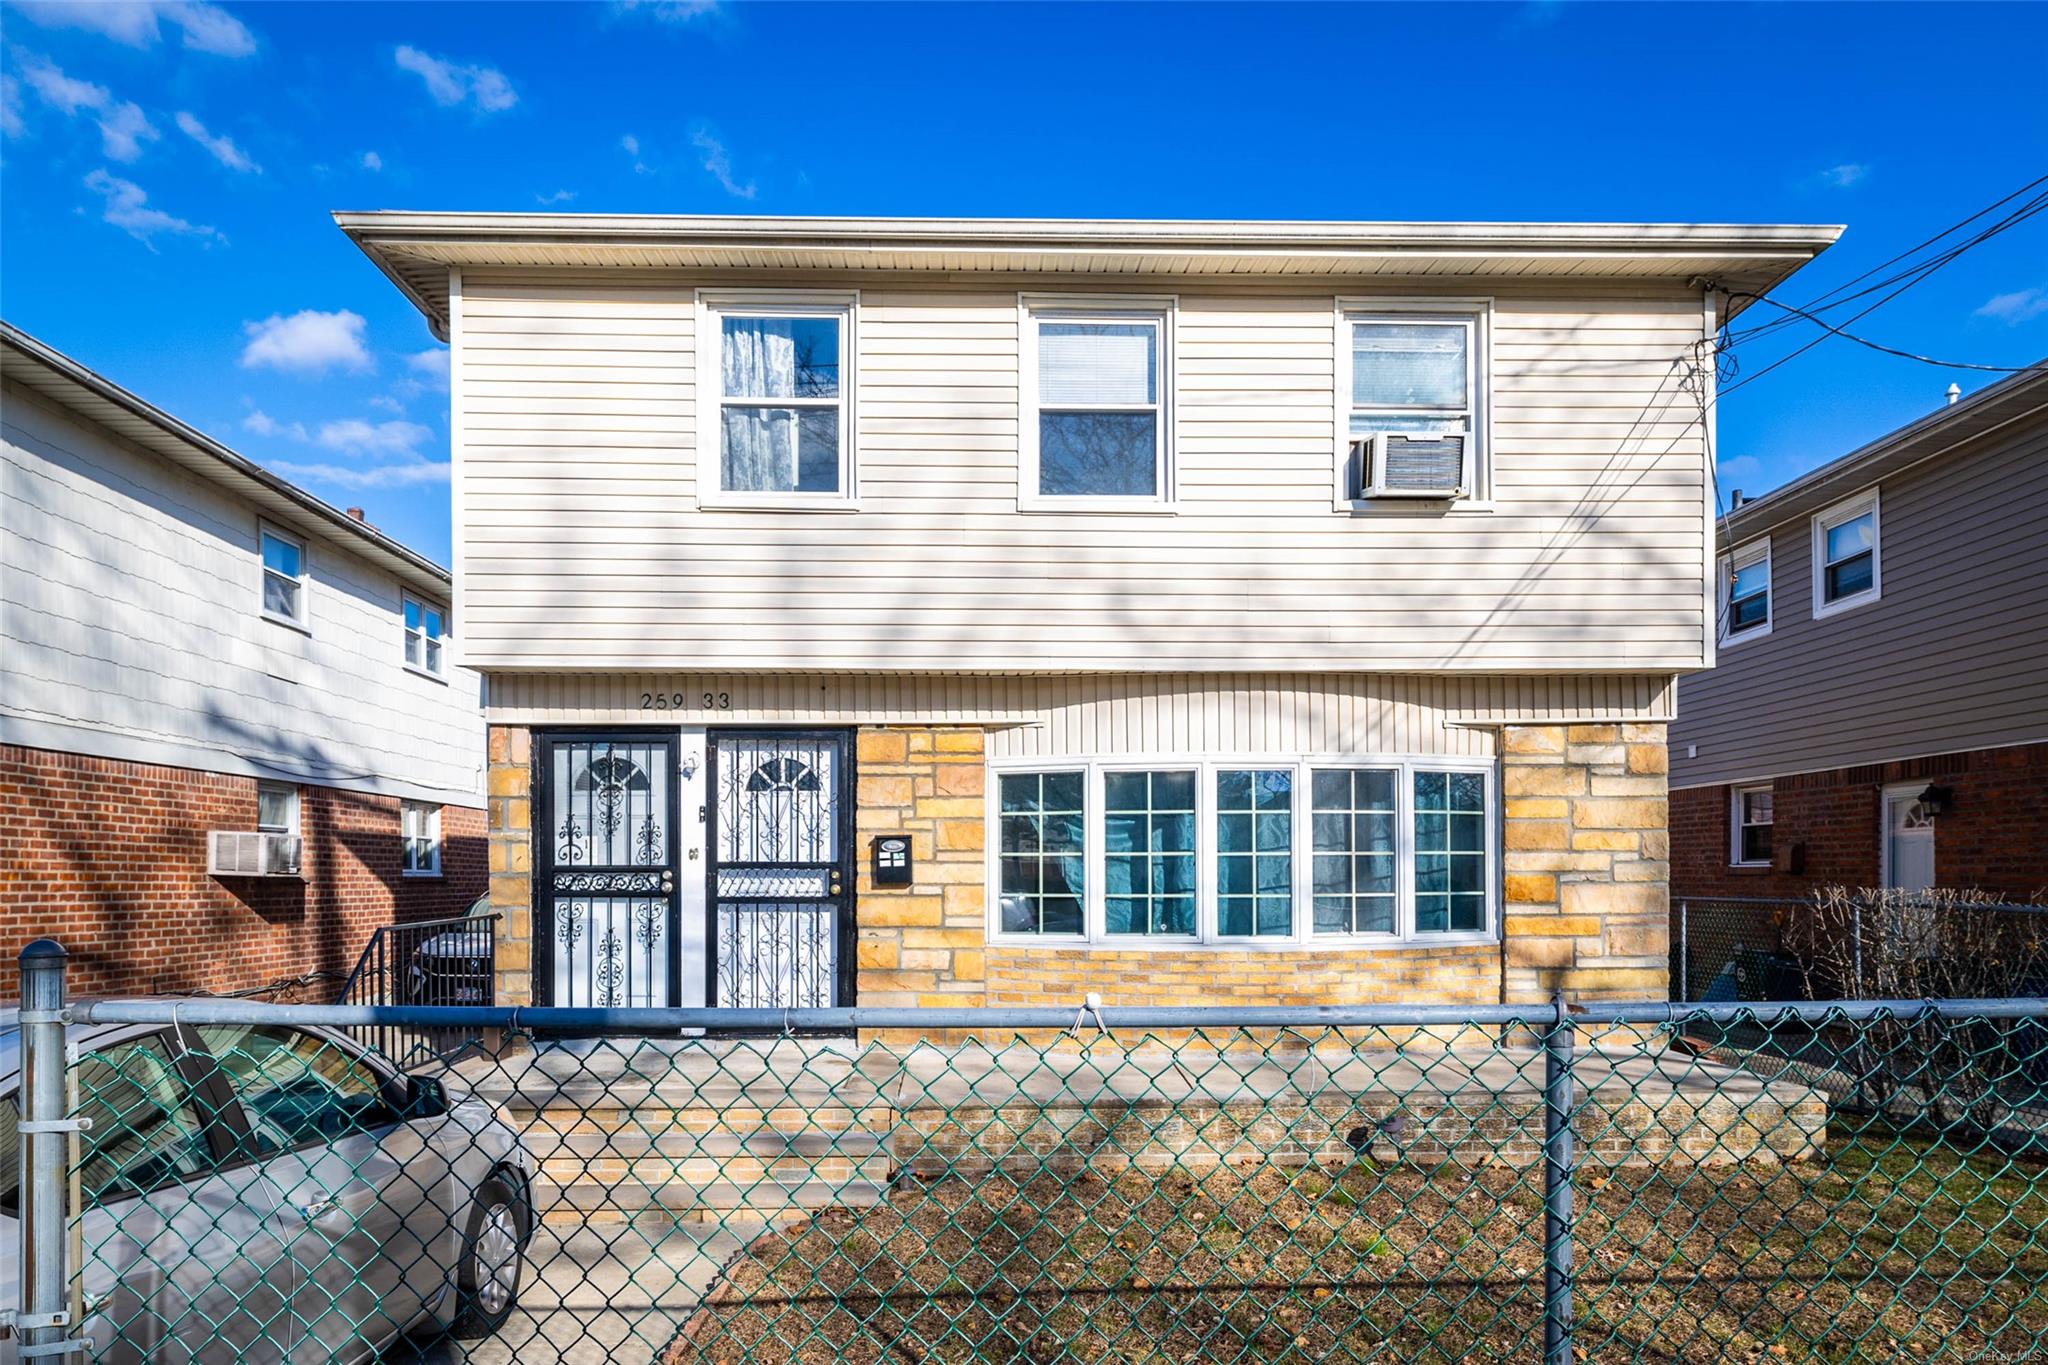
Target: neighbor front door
<point>780,880</point>
<point>1908,841</point>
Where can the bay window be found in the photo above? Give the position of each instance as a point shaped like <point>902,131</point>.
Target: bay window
<point>1253,850</point>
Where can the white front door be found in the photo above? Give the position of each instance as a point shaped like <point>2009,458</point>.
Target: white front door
<point>1908,840</point>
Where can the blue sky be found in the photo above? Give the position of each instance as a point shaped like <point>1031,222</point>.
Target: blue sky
<point>169,167</point>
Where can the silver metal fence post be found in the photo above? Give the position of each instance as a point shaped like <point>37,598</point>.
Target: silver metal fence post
<point>1856,935</point>
<point>1557,1189</point>
<point>42,1322</point>
<point>1684,949</point>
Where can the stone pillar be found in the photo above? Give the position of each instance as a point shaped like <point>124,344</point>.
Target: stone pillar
<point>1587,861</point>
<point>509,815</point>
<point>923,944</point>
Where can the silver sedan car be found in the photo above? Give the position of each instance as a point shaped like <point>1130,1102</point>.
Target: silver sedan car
<point>276,1194</point>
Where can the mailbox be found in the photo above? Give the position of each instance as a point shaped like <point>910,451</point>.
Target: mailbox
<point>889,859</point>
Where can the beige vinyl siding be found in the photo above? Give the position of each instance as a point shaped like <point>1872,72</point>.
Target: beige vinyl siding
<point>1953,656</point>
<point>1107,713</point>
<point>580,545</point>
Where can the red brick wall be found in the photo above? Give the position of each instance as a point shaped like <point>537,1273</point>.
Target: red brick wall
<point>1995,839</point>
<point>109,858</point>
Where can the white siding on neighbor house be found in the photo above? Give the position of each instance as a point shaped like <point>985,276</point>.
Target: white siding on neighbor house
<point>579,542</point>
<point>1106,713</point>
<point>129,624</point>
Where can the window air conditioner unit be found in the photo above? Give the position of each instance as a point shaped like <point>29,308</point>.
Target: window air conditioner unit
<point>245,853</point>
<point>1393,465</point>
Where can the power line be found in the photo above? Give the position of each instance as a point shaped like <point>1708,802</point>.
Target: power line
<point>1833,330</point>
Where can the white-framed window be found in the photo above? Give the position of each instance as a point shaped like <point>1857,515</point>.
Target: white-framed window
<point>1746,592</point>
<point>1247,850</point>
<point>1415,368</point>
<point>1846,568</point>
<point>284,576</point>
<point>1749,826</point>
<point>775,386</point>
<point>1095,419</point>
<point>277,807</point>
<point>425,629</point>
<point>420,830</point>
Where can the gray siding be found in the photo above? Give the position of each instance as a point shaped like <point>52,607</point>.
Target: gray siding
<point>1952,657</point>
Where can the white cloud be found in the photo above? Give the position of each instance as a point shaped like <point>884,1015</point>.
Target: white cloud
<point>356,437</point>
<point>384,402</point>
<point>223,147</point>
<point>123,125</point>
<point>307,342</point>
<point>205,28</point>
<point>450,84</point>
<point>1843,176</point>
<point>2022,305</point>
<point>431,364</point>
<point>404,475</point>
<point>1741,467</point>
<point>669,11</point>
<point>10,107</point>
<point>719,164</point>
<point>632,147</point>
<point>558,197</point>
<point>127,208</point>
<point>372,162</point>
<point>262,423</point>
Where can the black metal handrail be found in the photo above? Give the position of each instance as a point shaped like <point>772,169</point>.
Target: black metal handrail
<point>425,962</point>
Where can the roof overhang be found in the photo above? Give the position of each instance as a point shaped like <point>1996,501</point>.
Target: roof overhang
<point>57,377</point>
<point>417,250</point>
<point>2016,398</point>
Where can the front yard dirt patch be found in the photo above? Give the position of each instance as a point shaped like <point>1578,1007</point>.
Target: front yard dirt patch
<point>1889,1249</point>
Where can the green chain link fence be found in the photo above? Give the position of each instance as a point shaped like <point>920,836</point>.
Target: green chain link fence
<point>1615,1182</point>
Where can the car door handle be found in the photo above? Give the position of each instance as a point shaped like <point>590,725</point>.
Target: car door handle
<point>318,1209</point>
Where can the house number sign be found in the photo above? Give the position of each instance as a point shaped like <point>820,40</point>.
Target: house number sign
<point>685,701</point>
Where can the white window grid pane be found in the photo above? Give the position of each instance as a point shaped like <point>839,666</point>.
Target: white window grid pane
<point>1161,890</point>
<point>1366,906</point>
<point>1450,852</point>
<point>1246,857</point>
<point>1026,866</point>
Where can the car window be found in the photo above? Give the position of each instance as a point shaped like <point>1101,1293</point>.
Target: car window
<point>146,1130</point>
<point>295,1087</point>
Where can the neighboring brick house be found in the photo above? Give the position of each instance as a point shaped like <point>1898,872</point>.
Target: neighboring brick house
<point>190,645</point>
<point>905,612</point>
<point>1879,714</point>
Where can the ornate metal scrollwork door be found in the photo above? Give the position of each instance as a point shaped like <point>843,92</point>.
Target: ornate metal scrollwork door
<point>782,922</point>
<point>606,874</point>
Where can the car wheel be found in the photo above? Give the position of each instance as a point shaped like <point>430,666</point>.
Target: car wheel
<point>493,1267</point>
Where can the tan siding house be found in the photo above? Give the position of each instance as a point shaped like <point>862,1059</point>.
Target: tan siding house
<point>885,611</point>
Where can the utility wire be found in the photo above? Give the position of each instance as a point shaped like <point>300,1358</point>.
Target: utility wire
<point>1833,330</point>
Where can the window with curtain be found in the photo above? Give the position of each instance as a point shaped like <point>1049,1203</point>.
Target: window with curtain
<point>782,397</point>
<point>1148,847</point>
<point>1101,417</point>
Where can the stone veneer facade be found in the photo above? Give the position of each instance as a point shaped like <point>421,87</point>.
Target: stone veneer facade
<point>1584,857</point>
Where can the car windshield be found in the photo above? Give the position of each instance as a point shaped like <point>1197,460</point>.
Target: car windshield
<point>296,1088</point>
<point>145,1125</point>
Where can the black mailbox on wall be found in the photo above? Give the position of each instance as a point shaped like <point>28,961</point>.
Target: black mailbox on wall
<point>889,860</point>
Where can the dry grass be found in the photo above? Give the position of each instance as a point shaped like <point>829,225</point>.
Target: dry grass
<point>1889,1249</point>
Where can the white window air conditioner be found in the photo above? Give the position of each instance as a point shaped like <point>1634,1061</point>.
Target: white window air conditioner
<point>247,853</point>
<point>1395,465</point>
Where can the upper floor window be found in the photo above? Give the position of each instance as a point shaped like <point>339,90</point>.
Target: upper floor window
<point>420,831</point>
<point>424,628</point>
<point>284,576</point>
<point>1746,592</point>
<point>1846,571</point>
<point>277,807</point>
<point>1750,813</point>
<point>1413,393</point>
<point>780,432</point>
<point>1096,420</point>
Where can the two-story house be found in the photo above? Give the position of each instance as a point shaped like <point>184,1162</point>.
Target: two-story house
<point>912,611</point>
<point>1879,714</point>
<point>233,740</point>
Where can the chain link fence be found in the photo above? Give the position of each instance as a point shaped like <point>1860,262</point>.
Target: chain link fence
<point>220,1180</point>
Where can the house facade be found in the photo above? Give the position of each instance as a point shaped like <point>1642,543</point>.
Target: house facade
<point>233,740</point>
<point>1879,714</point>
<point>922,612</point>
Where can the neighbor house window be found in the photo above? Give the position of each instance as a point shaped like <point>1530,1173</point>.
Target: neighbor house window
<point>277,807</point>
<point>1746,592</point>
<point>781,374</point>
<point>420,828</point>
<point>284,577</point>
<point>1226,850</point>
<point>1846,571</point>
<point>1416,374</point>
<point>1752,826</point>
<point>1254,852</point>
<point>1041,834</point>
<point>1096,428</point>
<point>424,627</point>
<point>1148,852</point>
